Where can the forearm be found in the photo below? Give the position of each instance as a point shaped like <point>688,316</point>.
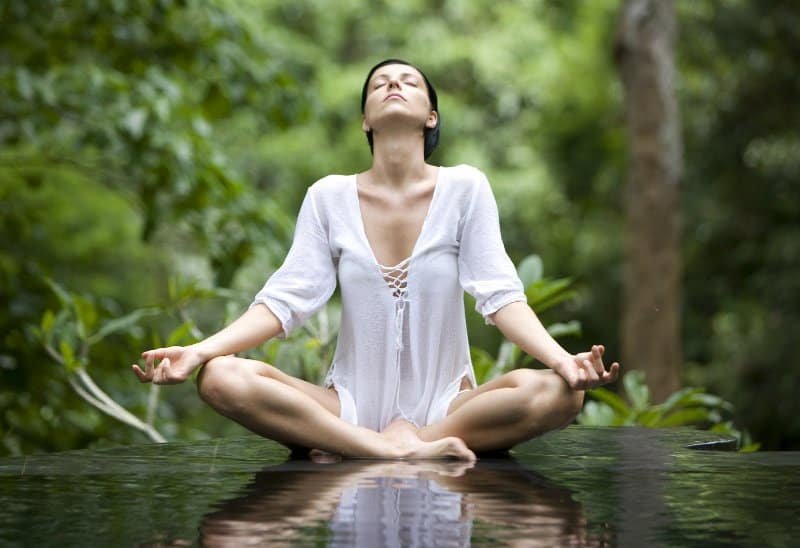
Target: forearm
<point>520,325</point>
<point>257,325</point>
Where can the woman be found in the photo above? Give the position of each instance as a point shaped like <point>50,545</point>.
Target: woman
<point>405,239</point>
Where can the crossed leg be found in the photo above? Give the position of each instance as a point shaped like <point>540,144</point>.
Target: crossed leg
<point>278,406</point>
<point>508,410</point>
<point>499,414</point>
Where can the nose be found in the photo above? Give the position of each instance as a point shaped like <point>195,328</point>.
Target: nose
<point>393,82</point>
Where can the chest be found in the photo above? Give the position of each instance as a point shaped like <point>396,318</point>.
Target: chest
<point>393,222</point>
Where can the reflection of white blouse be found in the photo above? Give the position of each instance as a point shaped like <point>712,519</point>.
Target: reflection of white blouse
<point>402,351</point>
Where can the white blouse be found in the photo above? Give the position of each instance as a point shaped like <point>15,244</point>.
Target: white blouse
<point>402,348</point>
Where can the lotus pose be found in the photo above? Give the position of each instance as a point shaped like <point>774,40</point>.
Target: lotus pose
<point>404,239</point>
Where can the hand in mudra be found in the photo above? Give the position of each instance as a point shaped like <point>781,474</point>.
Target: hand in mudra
<point>175,364</point>
<point>586,370</point>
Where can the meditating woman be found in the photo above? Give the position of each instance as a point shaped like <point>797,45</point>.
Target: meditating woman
<point>405,239</point>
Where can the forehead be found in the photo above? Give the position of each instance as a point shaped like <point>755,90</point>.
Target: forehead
<point>396,70</point>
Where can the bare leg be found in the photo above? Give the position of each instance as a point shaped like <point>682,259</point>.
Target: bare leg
<point>280,407</point>
<point>508,410</point>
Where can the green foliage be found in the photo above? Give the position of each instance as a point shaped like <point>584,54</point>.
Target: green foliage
<point>686,407</point>
<point>146,141</point>
<point>130,93</point>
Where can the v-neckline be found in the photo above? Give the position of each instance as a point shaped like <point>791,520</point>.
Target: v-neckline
<point>363,228</point>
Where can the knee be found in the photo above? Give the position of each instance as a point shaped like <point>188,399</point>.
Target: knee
<point>548,390</point>
<point>220,381</point>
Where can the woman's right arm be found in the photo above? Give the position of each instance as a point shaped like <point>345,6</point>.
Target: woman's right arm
<point>177,363</point>
<point>301,286</point>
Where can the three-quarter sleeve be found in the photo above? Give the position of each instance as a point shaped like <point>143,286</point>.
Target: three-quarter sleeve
<point>484,269</point>
<point>307,278</point>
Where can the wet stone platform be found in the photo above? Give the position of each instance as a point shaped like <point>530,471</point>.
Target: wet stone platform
<point>580,486</point>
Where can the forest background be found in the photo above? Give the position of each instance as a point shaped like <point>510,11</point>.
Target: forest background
<point>153,156</point>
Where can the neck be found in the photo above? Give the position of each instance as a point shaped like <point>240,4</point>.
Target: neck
<point>398,160</point>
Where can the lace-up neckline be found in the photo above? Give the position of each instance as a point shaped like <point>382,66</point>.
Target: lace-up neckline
<point>396,277</point>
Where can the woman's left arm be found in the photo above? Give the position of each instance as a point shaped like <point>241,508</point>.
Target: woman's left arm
<point>518,322</point>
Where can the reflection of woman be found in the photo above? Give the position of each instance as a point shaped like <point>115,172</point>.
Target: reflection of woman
<point>400,503</point>
<point>401,383</point>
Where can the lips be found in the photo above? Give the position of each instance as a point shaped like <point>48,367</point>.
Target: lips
<point>393,95</point>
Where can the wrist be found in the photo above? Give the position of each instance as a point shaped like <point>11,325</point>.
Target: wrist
<point>557,362</point>
<point>203,351</point>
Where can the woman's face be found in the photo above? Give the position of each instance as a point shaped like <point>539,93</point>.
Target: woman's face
<point>397,92</point>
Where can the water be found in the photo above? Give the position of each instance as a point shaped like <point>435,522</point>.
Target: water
<point>581,486</point>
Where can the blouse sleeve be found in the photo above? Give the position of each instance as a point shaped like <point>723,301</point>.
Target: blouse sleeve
<point>307,278</point>
<point>484,269</point>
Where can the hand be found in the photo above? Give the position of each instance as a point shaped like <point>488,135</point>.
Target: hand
<point>586,370</point>
<point>175,365</point>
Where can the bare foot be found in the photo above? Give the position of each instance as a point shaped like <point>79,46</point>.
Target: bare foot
<point>404,435</point>
<point>450,447</point>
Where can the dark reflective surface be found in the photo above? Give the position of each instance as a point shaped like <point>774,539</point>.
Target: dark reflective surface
<point>581,486</point>
<point>370,504</point>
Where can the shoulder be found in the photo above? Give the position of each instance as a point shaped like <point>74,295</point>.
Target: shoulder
<point>327,193</point>
<point>330,184</point>
<point>465,174</point>
<point>466,183</point>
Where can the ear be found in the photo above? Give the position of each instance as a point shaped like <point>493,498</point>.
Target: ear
<point>433,117</point>
<point>364,126</point>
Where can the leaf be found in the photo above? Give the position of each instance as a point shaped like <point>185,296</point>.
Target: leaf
<point>750,447</point>
<point>680,398</point>
<point>686,417</point>
<point>650,417</point>
<point>181,335</point>
<point>597,414</point>
<point>637,390</point>
<point>63,295</point>
<point>68,354</point>
<point>48,321</point>
<point>482,363</point>
<point>121,323</point>
<point>565,329</point>
<point>545,294</point>
<point>710,400</point>
<point>85,315</point>
<point>530,270</point>
<point>609,398</point>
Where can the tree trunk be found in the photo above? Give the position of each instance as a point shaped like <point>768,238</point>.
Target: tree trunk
<point>651,310</point>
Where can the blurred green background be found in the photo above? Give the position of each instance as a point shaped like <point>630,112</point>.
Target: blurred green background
<point>153,156</point>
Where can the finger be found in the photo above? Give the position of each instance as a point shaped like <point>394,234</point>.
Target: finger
<point>580,384</point>
<point>591,370</point>
<point>592,376</point>
<point>613,372</point>
<point>599,349</point>
<point>166,371</point>
<point>139,373</point>
<point>149,359</point>
<point>154,354</point>
<point>597,360</point>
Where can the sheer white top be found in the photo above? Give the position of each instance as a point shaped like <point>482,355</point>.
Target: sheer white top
<point>402,348</point>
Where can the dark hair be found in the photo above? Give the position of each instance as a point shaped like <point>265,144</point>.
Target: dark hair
<point>431,134</point>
